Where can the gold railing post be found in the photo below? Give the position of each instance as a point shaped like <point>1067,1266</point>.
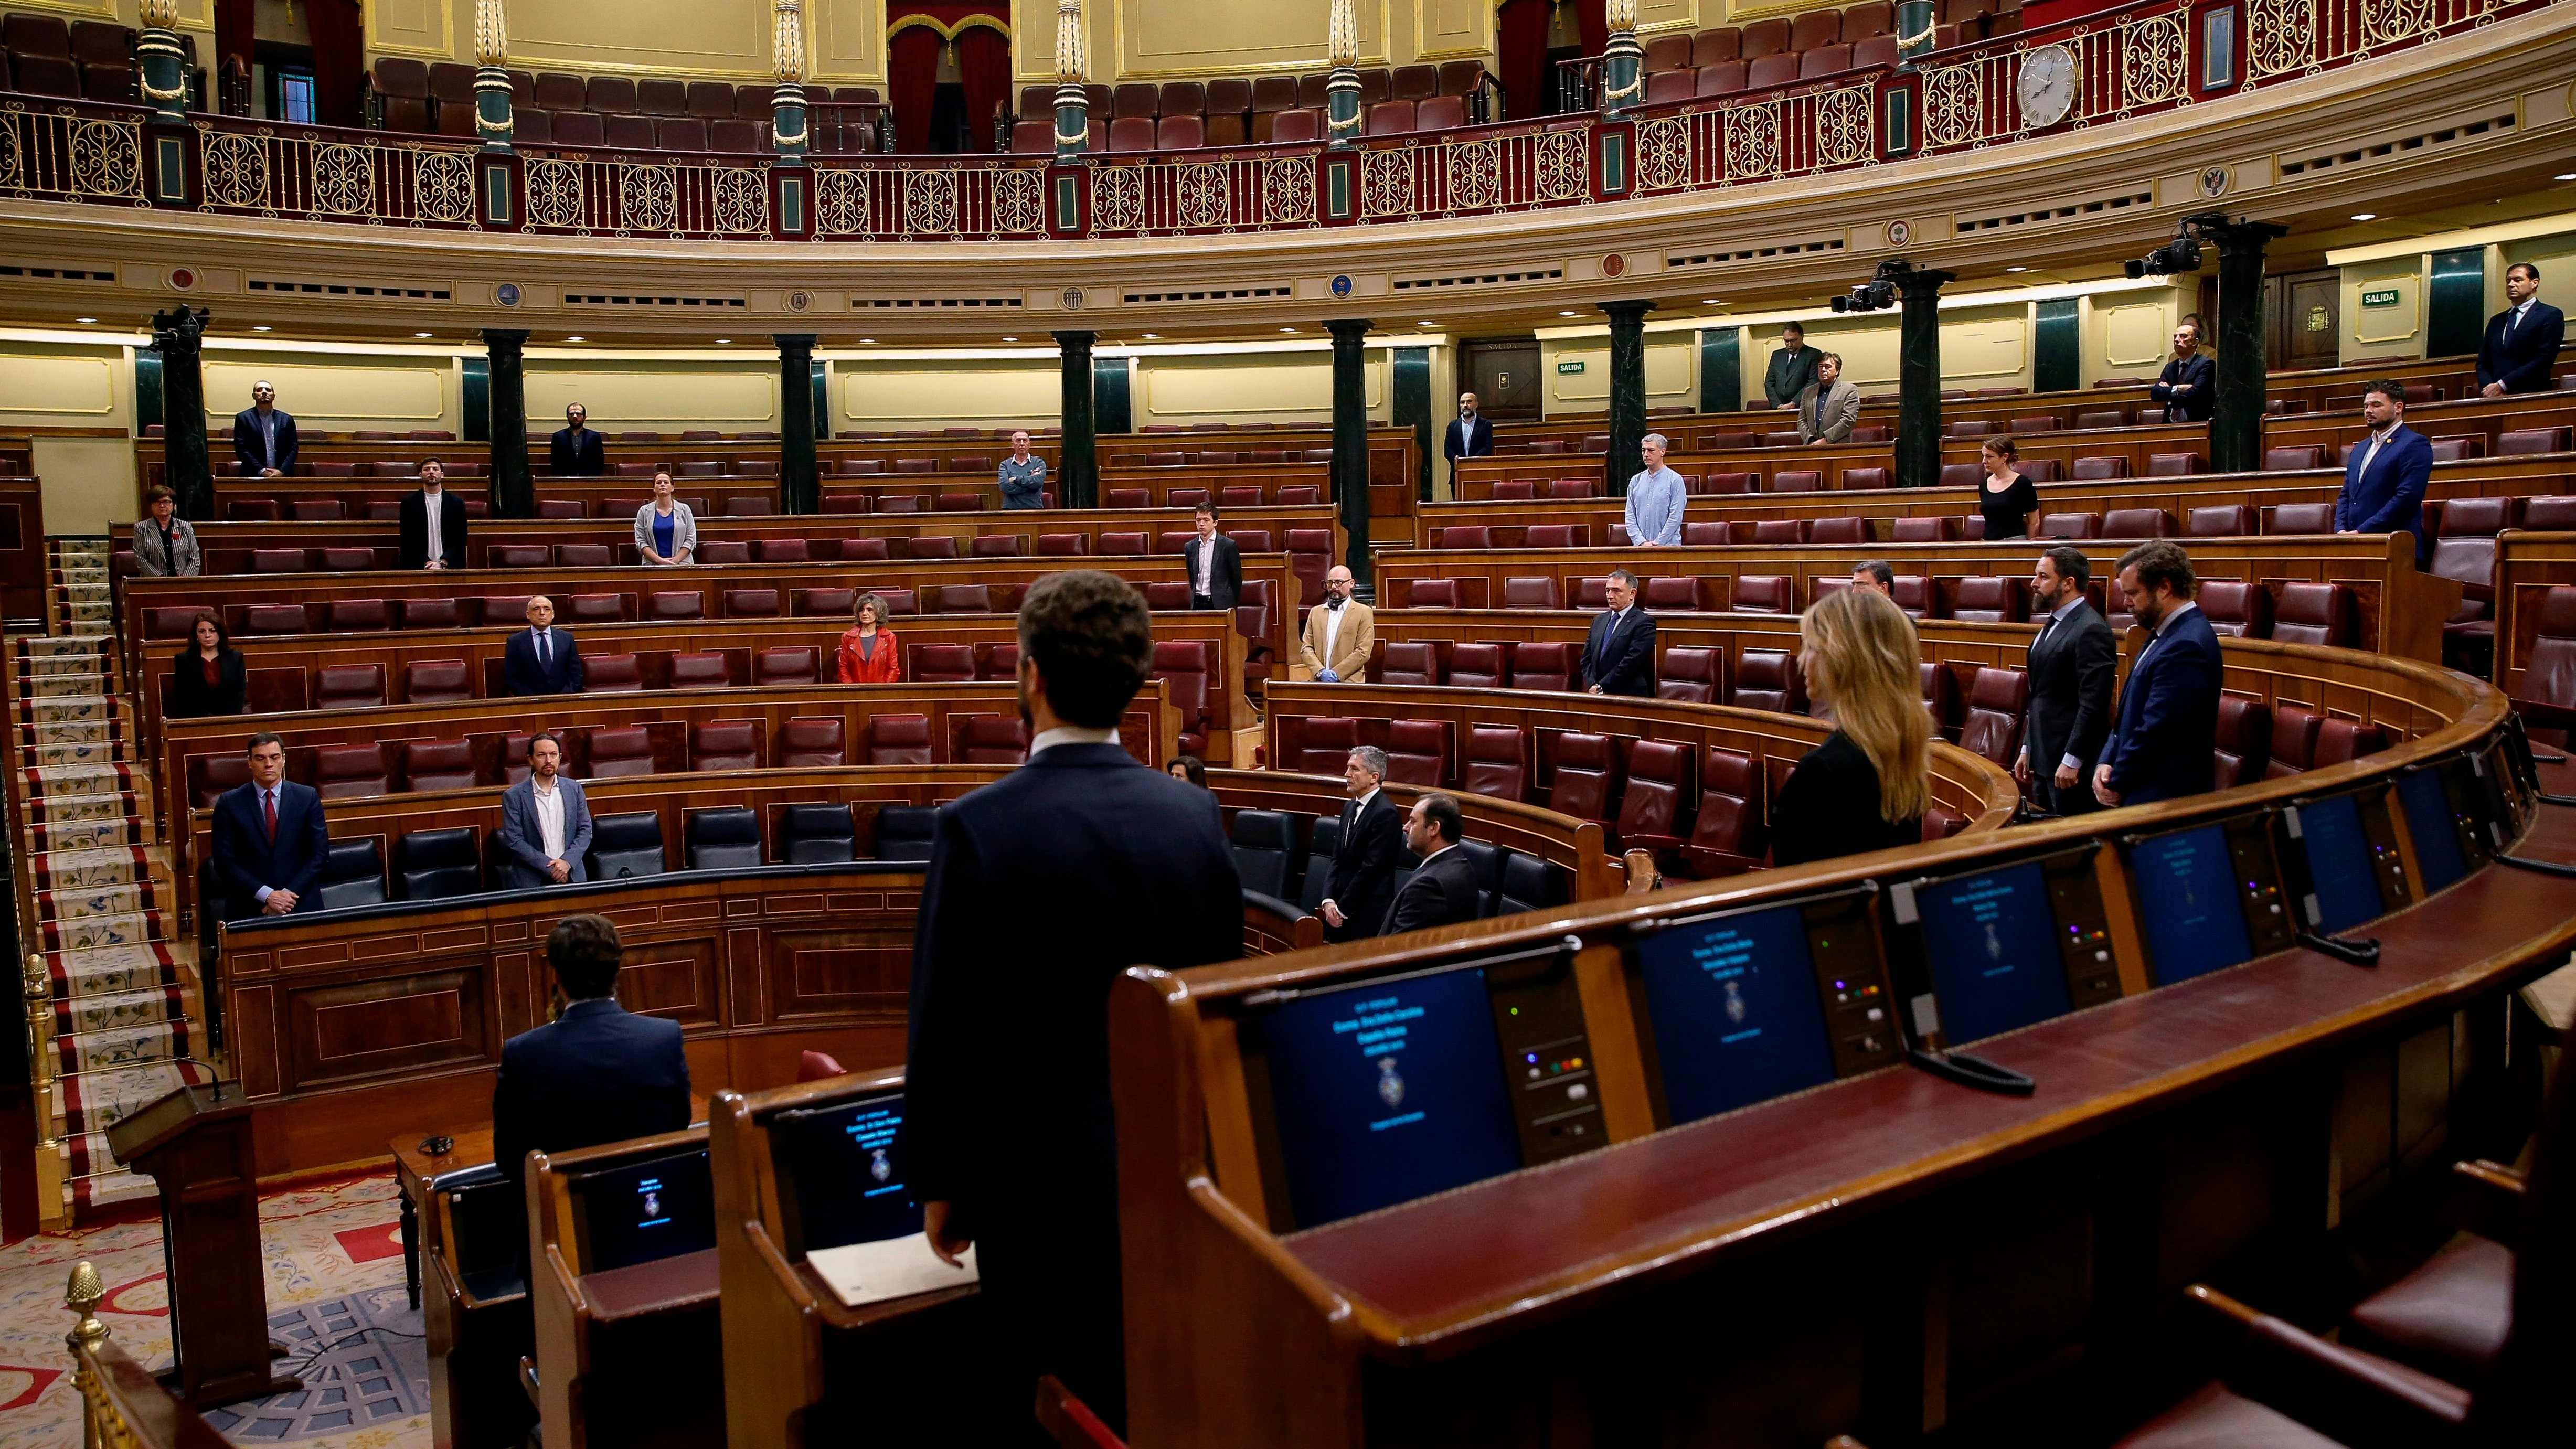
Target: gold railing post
<point>101,1426</point>
<point>38,987</point>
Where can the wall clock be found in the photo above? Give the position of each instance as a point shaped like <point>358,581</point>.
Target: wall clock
<point>2046,86</point>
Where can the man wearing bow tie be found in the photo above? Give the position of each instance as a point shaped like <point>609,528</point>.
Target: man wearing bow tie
<point>1339,634</point>
<point>542,659</point>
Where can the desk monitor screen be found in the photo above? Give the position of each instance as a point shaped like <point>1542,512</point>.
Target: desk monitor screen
<point>1991,941</point>
<point>2433,826</point>
<point>2209,898</point>
<point>840,1174</point>
<point>1734,1006</point>
<point>646,1210</point>
<point>2344,864</point>
<point>1386,1092</point>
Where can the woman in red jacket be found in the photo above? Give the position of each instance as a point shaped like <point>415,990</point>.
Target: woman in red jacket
<point>869,653</point>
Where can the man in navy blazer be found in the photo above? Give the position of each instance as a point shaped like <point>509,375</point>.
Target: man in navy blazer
<point>1044,887</point>
<point>2163,746</point>
<point>2384,481</point>
<point>1619,653</point>
<point>264,434</point>
<point>597,1072</point>
<point>269,839</point>
<point>541,659</point>
<point>545,822</point>
<point>2521,346</point>
<point>1469,436</point>
<point>2186,387</point>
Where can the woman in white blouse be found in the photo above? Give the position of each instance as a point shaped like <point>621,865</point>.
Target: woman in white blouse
<point>665,532</point>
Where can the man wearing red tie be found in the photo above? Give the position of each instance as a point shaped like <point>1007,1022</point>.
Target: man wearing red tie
<point>269,839</point>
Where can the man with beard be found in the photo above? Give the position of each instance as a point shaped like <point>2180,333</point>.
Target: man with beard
<point>1043,887</point>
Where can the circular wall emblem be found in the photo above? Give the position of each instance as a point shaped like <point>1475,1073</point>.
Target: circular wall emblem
<point>1341,286</point>
<point>2213,182</point>
<point>799,301</point>
<point>1614,265</point>
<point>1073,299</point>
<point>507,294</point>
<point>1899,233</point>
<point>183,278</point>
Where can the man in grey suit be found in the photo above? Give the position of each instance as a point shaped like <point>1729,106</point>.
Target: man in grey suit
<point>2072,665</point>
<point>1829,406</point>
<point>545,822</point>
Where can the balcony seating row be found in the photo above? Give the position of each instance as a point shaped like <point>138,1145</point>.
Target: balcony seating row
<point>41,55</point>
<point>1184,115</point>
<point>617,111</point>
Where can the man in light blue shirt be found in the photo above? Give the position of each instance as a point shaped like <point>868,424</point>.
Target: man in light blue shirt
<point>1655,499</point>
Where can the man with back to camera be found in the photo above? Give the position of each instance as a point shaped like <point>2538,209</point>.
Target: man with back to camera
<point>432,523</point>
<point>1009,1138</point>
<point>1339,634</point>
<point>1656,499</point>
<point>1619,652</point>
<point>545,822</point>
<point>1364,857</point>
<point>577,449</point>
<point>1877,575</point>
<point>264,434</point>
<point>541,659</point>
<point>2168,721</point>
<point>2185,386</point>
<point>2385,479</point>
<point>1469,436</point>
<point>2520,349</point>
<point>2072,666</point>
<point>1023,475</point>
<point>596,1073</point>
<point>1791,369</point>
<point>1443,890</point>
<point>1216,565</point>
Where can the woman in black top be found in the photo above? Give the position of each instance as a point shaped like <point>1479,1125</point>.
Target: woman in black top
<point>208,677</point>
<point>1866,787</point>
<point>2006,498</point>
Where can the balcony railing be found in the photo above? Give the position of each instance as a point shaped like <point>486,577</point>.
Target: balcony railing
<point>2127,62</point>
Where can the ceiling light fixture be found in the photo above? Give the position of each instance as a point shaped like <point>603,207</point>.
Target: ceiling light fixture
<point>84,319</point>
<point>724,342</point>
<point>261,327</point>
<point>420,334</point>
<point>1010,339</point>
<point>1712,301</point>
<point>1287,329</point>
<point>867,342</point>
<point>2365,216</point>
<point>2016,269</point>
<point>576,339</point>
<point>2564,176</point>
<point>1153,336</point>
<point>1569,314</point>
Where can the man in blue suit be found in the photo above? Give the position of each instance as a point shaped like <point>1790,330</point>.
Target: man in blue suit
<point>2162,748</point>
<point>545,822</point>
<point>1043,888</point>
<point>2383,484</point>
<point>596,1073</point>
<point>1619,650</point>
<point>543,659</point>
<point>269,839</point>
<point>2522,341</point>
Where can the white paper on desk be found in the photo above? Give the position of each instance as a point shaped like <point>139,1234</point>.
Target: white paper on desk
<point>890,1268</point>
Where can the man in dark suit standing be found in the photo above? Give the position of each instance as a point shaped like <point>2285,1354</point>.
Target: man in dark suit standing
<point>2186,387</point>
<point>1470,436</point>
<point>577,450</point>
<point>1443,891</point>
<point>1790,370</point>
<point>1364,858</point>
<point>1619,654</point>
<point>2073,664</point>
<point>1043,888</point>
<point>2521,346</point>
<point>2161,749</point>
<point>433,522</point>
<point>597,1072</point>
<point>1216,565</point>
<point>264,434</point>
<point>2383,484</point>
<point>270,838</point>
<point>542,659</point>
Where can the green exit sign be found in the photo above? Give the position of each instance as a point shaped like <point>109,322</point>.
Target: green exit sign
<point>1569,367</point>
<point>2386,298</point>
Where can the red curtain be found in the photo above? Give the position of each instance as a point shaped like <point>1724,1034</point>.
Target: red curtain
<point>912,65</point>
<point>1521,35</point>
<point>233,30</point>
<point>1594,17</point>
<point>984,57</point>
<point>339,58</point>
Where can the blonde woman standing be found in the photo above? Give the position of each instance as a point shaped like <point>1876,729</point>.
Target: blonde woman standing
<point>1866,787</point>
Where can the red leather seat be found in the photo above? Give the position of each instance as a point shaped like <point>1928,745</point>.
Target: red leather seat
<point>2299,518</point>
<point>273,619</point>
<point>2088,470</point>
<point>699,669</point>
<point>786,665</point>
<point>1467,535</point>
<point>675,604</point>
<point>2547,698</point>
<point>2554,513</point>
<point>437,765</point>
<point>1410,663</point>
<point>349,686</point>
<point>2236,608</point>
<point>2137,523</point>
<point>2291,458</point>
<point>292,560</point>
<point>930,545</point>
<point>1324,744</point>
<point>2244,739</point>
<point>1672,593</point>
<point>751,603</point>
<point>943,663</point>
<point>958,599</point>
<point>1498,761</point>
<point>1432,594</point>
<point>1692,675</point>
<point>1763,594</point>
<point>2341,741</point>
<point>1662,787</point>
<point>1538,593</point>
<point>1166,597</point>
<point>1992,600</point>
<point>2531,440</point>
<point>1417,753</point>
<point>1476,666</point>
<point>1558,535</point>
<point>620,750</point>
<point>360,614</point>
<point>899,739</point>
<point>1126,498</point>
<point>1780,530</point>
<point>2070,525</point>
<point>830,603</point>
<point>1515,490</point>
<point>1797,480</point>
<point>1997,703</point>
<point>1838,530</point>
<point>1707,535</point>
<point>1587,777</point>
<point>2294,740</point>
<point>725,744</point>
<point>1728,833</point>
<point>342,772</point>
<point>812,741</point>
<point>435,681</point>
<point>1924,530</point>
<point>1592,594</point>
<point>611,674</point>
<point>2223,520</point>
<point>1940,695</point>
<point>1770,679</point>
<point>2173,465</point>
<point>2309,613</point>
<point>1765,72</point>
<point>1542,665</point>
<point>992,739</point>
<point>781,550</point>
<point>1310,557</point>
<point>1912,594</point>
<point>2464,550</point>
<point>1188,670</point>
<point>1570,488</point>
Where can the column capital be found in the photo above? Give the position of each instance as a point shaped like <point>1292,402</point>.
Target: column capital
<point>505,339</point>
<point>1350,327</point>
<point>1629,314</point>
<point>794,341</point>
<point>1924,281</point>
<point>1075,341</point>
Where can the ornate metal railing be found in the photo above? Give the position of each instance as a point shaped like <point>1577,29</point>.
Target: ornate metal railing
<point>2118,63</point>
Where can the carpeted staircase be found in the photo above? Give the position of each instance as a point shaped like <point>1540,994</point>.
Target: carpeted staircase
<point>123,984</point>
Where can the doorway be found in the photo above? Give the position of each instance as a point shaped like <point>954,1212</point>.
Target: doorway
<point>1503,374</point>
<point>2302,319</point>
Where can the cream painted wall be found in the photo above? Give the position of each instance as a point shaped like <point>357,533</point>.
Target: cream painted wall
<point>1672,374</point>
<point>338,393</point>
<point>2380,331</point>
<point>2556,258</point>
<point>926,394</point>
<point>2129,334</point>
<point>664,395</point>
<point>88,482</point>
<point>723,39</point>
<point>1980,347</point>
<point>1293,388</point>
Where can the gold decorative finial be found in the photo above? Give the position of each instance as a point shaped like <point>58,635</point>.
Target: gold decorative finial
<point>787,43</point>
<point>161,14</point>
<point>1069,65</point>
<point>82,1295</point>
<point>491,33</point>
<point>1342,40</point>
<point>1620,14</point>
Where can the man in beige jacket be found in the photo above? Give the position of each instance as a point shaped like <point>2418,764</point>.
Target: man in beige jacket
<point>1339,633</point>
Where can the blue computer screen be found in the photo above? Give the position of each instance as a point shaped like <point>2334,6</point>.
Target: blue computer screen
<point>1737,1018</point>
<point>2188,904</point>
<point>1992,941</point>
<point>1387,1092</point>
<point>649,1210</point>
<point>845,1165</point>
<point>2433,827</point>
<point>2341,869</point>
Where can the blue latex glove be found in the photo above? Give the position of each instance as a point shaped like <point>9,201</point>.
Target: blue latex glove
<point>1326,676</point>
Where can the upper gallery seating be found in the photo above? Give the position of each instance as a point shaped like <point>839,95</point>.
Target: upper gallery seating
<point>41,55</point>
<point>621,112</point>
<point>1237,110</point>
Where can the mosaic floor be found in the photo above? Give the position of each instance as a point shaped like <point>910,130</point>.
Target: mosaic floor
<point>335,1292</point>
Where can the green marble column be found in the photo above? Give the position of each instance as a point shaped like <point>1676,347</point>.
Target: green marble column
<point>1077,477</point>
<point>514,494</point>
<point>800,487</point>
<point>177,335</point>
<point>1350,439</point>
<point>1918,379</point>
<point>2236,421</point>
<point>1627,391</point>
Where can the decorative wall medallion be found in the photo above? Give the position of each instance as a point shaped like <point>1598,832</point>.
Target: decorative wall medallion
<point>1614,265</point>
<point>1899,233</point>
<point>2213,182</point>
<point>507,294</point>
<point>183,279</point>
<point>1073,299</point>
<point>1341,286</point>
<point>799,301</point>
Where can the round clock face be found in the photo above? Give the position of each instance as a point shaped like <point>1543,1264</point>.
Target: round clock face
<point>2046,86</point>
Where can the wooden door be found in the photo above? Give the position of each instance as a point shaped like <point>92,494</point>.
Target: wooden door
<point>1503,374</point>
<point>2303,319</point>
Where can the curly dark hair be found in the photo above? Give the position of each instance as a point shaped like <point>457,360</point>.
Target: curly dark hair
<point>1092,641</point>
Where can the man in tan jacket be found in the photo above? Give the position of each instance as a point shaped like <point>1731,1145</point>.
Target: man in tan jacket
<point>1339,633</point>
